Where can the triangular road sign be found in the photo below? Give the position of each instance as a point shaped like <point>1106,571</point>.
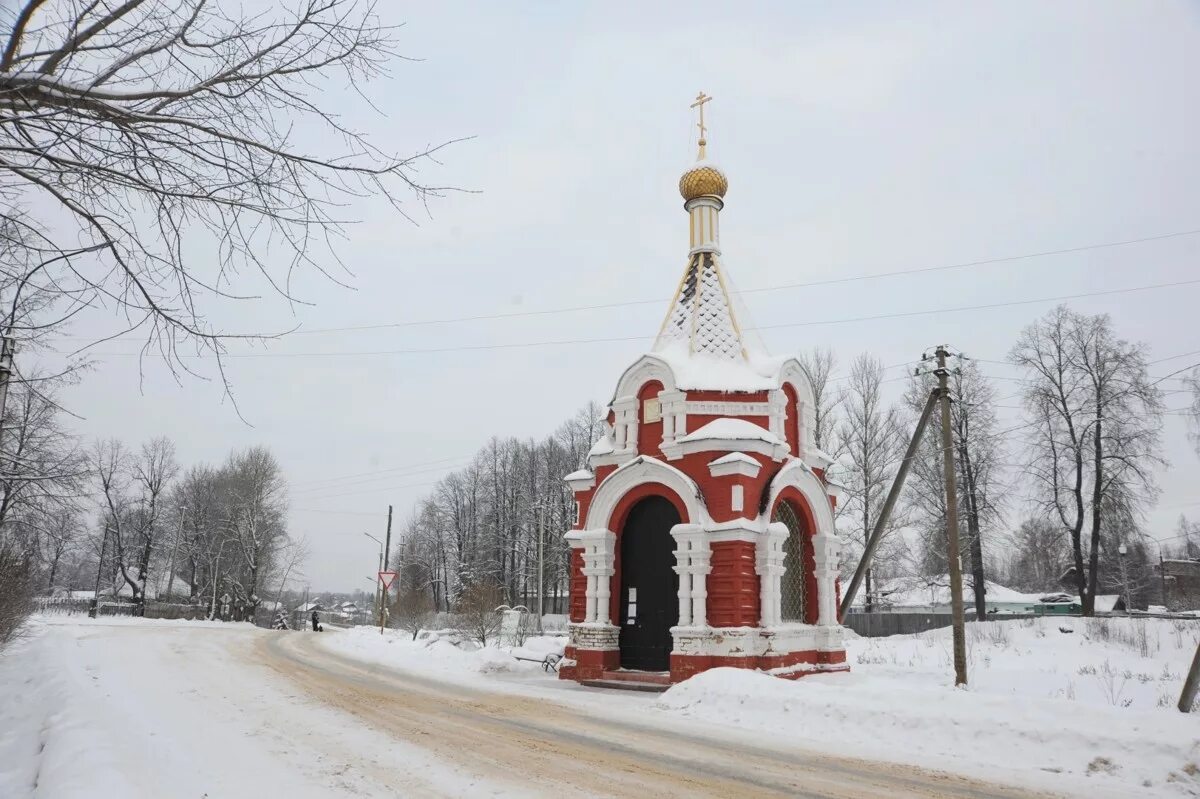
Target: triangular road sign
<point>387,578</point>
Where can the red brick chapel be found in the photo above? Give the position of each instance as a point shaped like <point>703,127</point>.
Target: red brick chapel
<point>705,533</point>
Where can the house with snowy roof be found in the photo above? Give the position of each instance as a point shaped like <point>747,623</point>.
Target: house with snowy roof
<point>705,533</point>
<point>932,595</point>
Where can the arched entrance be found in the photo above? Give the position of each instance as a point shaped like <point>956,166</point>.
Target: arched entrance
<point>797,600</point>
<point>649,600</point>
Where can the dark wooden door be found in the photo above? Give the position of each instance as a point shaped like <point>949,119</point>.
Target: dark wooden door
<point>649,585</point>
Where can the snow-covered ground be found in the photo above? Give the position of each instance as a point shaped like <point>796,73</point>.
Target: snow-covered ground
<point>1075,706</point>
<point>99,708</point>
<point>151,708</point>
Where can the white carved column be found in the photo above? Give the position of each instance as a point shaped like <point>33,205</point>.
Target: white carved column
<point>826,552</point>
<point>768,563</point>
<point>691,555</point>
<point>777,403</point>
<point>590,615</point>
<point>673,405</point>
<point>701,565</point>
<point>598,556</point>
<point>685,593</point>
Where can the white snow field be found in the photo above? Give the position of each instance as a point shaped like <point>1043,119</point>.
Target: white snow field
<point>137,708</point>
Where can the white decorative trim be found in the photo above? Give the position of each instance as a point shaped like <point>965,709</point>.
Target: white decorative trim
<point>826,545</point>
<point>693,563</point>
<point>737,499</point>
<point>737,463</point>
<point>791,372</point>
<point>645,369</point>
<point>581,480</point>
<point>637,472</point>
<point>611,459</point>
<point>625,427</point>
<point>740,529</point>
<point>674,410</point>
<point>817,459</point>
<point>720,408</point>
<point>777,401</point>
<point>768,564</point>
<point>598,559</point>
<point>776,452</point>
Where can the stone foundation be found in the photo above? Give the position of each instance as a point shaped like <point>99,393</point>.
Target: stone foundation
<point>789,651</point>
<point>591,650</point>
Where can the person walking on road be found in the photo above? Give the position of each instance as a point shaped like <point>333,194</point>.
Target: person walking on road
<point>316,622</point>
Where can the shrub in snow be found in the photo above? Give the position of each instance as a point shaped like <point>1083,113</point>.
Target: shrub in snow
<point>16,591</point>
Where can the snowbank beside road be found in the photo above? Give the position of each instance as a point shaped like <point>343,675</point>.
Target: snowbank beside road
<point>1076,712</point>
<point>49,744</point>
<point>438,655</point>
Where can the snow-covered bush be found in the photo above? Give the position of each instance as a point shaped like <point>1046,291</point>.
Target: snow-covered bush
<point>16,591</point>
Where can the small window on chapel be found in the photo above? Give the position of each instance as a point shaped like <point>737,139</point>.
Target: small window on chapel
<point>652,410</point>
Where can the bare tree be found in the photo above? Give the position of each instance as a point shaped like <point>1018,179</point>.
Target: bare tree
<point>1038,554</point>
<point>1095,433</point>
<point>133,494</point>
<point>818,365</point>
<point>174,144</point>
<point>257,507</point>
<point>977,454</point>
<point>873,441</point>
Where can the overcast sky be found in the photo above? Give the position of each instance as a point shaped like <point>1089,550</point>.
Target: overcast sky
<point>858,139</point>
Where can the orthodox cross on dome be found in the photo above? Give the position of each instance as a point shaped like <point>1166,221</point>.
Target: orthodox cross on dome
<point>701,318</point>
<point>701,99</point>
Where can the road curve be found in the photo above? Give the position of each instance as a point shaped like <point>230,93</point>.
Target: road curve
<point>539,747</point>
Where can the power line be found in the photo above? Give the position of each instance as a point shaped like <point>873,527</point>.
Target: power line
<point>377,514</point>
<point>312,492</point>
<point>562,342</point>
<point>761,289</point>
<point>376,471</point>
<point>373,490</point>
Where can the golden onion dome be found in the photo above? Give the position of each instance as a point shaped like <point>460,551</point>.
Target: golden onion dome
<point>703,179</point>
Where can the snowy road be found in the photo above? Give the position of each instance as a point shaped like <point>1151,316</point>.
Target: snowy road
<point>231,711</point>
<point>530,746</point>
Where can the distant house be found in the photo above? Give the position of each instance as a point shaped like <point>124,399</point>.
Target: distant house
<point>309,607</point>
<point>1180,581</point>
<point>349,608</point>
<point>932,595</point>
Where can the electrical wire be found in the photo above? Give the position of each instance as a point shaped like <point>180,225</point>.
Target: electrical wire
<point>574,342</point>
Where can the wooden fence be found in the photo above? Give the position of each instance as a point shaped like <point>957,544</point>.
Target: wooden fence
<point>66,606</point>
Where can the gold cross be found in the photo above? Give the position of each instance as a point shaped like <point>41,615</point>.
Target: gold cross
<point>701,99</point>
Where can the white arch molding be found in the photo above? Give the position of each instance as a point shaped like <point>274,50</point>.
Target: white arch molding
<point>826,545</point>
<point>639,471</point>
<point>598,540</point>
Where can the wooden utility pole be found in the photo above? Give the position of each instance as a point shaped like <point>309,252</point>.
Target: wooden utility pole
<point>885,512</point>
<point>95,614</point>
<point>1191,684</point>
<point>387,545</point>
<point>952,555</point>
<point>541,606</point>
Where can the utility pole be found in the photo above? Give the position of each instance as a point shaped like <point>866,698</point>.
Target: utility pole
<point>386,547</point>
<point>1122,550</point>
<point>95,614</point>
<point>1191,684</point>
<point>952,555</point>
<point>541,606</point>
<point>885,512</point>
<point>174,548</point>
